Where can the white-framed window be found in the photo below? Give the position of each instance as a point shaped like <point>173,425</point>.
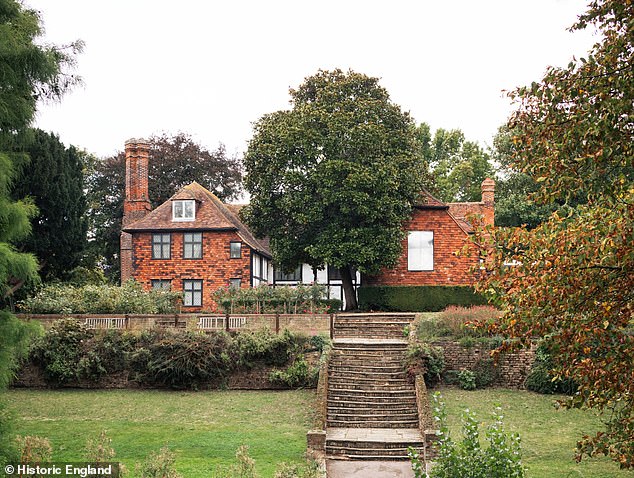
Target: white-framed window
<point>235,250</point>
<point>295,276</point>
<point>235,283</point>
<point>184,210</point>
<point>161,284</point>
<point>192,293</point>
<point>161,245</point>
<point>420,251</point>
<point>193,245</point>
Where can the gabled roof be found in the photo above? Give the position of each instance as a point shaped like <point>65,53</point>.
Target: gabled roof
<point>455,210</point>
<point>211,215</point>
<point>427,201</point>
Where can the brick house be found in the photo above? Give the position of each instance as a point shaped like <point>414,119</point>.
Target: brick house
<point>192,243</point>
<point>435,233</point>
<point>196,244</point>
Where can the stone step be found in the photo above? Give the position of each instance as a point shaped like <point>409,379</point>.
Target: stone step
<point>378,316</point>
<point>363,367</point>
<point>367,358</point>
<point>355,374</point>
<point>369,387</point>
<point>371,448</point>
<point>372,414</point>
<point>373,334</point>
<point>374,402</point>
<point>349,423</point>
<point>385,454</point>
<point>370,344</point>
<point>368,384</point>
<point>353,393</point>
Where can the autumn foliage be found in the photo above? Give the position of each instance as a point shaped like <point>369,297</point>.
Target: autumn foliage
<point>571,279</point>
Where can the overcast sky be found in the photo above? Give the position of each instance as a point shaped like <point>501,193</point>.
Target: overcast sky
<point>211,68</point>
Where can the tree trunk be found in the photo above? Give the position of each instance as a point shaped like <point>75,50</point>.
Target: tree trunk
<point>348,289</point>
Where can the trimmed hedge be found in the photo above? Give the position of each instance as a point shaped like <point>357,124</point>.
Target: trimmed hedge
<point>417,298</point>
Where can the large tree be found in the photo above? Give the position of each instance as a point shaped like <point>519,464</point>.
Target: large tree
<point>333,179</point>
<point>55,183</point>
<point>457,166</point>
<point>28,72</point>
<point>573,276</point>
<point>175,161</point>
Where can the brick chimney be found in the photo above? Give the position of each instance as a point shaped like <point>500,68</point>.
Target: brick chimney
<point>488,200</point>
<point>136,203</point>
<point>488,192</point>
<point>137,199</point>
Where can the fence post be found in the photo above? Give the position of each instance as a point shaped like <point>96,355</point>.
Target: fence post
<point>277,323</point>
<point>175,321</point>
<point>227,322</point>
<point>127,321</point>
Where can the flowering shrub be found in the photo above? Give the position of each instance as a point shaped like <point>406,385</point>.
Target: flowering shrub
<point>457,322</point>
<point>300,299</point>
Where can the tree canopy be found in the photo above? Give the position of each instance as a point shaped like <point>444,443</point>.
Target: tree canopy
<point>175,161</point>
<point>457,166</point>
<point>55,183</point>
<point>28,73</point>
<point>333,178</point>
<point>573,276</point>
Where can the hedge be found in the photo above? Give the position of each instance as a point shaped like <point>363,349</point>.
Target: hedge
<point>417,298</point>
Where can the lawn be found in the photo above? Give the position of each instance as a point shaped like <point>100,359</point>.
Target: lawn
<point>204,429</point>
<point>548,435</point>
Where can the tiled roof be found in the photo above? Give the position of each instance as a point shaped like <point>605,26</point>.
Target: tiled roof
<point>427,200</point>
<point>211,214</point>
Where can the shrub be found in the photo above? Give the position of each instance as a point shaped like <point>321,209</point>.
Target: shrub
<point>34,450</point>
<point>186,359</point>
<point>297,375</point>
<point>99,450</point>
<point>320,342</point>
<point>245,468</point>
<point>426,359</point>
<point>300,299</point>
<point>159,465</point>
<point>59,351</point>
<point>69,352</point>
<point>130,298</point>
<point>263,346</point>
<point>541,378</point>
<point>457,323</point>
<point>467,380</point>
<point>467,458</point>
<point>416,298</point>
<point>309,470</point>
<point>485,372</point>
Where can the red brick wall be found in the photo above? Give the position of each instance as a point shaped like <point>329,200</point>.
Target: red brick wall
<point>215,268</point>
<point>137,200</point>
<point>449,269</point>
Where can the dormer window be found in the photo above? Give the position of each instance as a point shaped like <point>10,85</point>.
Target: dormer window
<point>184,210</point>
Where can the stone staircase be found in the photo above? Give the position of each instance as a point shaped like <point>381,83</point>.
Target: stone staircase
<point>374,326</point>
<point>371,409</point>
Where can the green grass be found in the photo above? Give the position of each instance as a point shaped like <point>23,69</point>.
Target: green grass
<point>203,429</point>
<point>548,435</point>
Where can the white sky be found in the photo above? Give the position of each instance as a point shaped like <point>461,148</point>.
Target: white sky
<point>211,68</point>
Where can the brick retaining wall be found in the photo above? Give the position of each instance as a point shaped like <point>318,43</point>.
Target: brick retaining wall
<point>512,368</point>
